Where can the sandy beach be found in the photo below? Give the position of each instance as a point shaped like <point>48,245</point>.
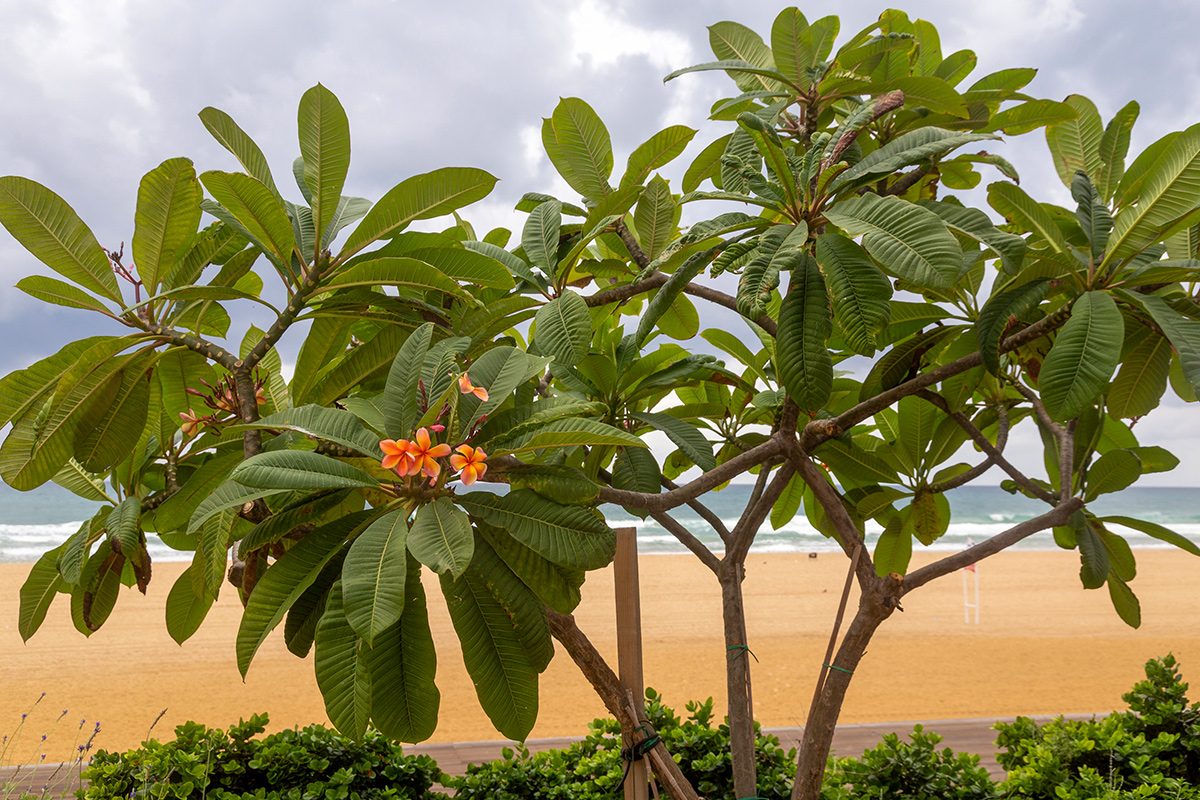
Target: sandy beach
<point>1043,645</point>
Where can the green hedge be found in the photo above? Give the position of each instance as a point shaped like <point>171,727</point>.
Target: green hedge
<point>1150,751</point>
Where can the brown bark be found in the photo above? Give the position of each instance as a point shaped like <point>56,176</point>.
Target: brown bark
<point>740,702</point>
<point>620,703</point>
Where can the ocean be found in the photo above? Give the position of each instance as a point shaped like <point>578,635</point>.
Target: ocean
<point>33,522</point>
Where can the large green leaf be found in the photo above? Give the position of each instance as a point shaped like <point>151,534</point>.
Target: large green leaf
<point>402,664</point>
<point>300,628</point>
<point>1124,601</point>
<point>848,460</point>
<point>1083,357</point>
<point>1112,472</point>
<point>539,237</point>
<point>432,194</point>
<point>299,469</point>
<point>37,593</point>
<point>408,273</point>
<point>330,424</point>
<point>802,360</point>
<point>657,151</point>
<point>557,587</point>
<point>905,150</point>
<point>400,409</point>
<point>466,266</point>
<point>362,363</point>
<point>116,432</point>
<point>859,291</point>
<point>1093,557</point>
<point>524,608</point>
<point>1183,333</point>
<point>21,390</point>
<point>50,229</point>
<point>569,536</point>
<point>731,41</point>
<point>441,537</point>
<point>909,241</point>
<point>1030,115</point>
<point>1142,379</point>
<point>1075,143</point>
<point>168,212</point>
<point>1015,205</point>
<point>229,494</point>
<point>975,224</point>
<point>655,217</point>
<point>309,511</point>
<point>258,210</point>
<point>186,609</point>
<point>996,312</point>
<point>893,551</point>
<point>325,148</point>
<point>287,579</point>
<point>327,338</point>
<point>59,293</point>
<point>1170,190</point>
<point>683,435</point>
<point>500,371</point>
<point>578,145</point>
<point>563,329</point>
<point>1114,146</point>
<point>341,668</point>
<point>373,576</point>
<point>1156,531</point>
<point>235,140</point>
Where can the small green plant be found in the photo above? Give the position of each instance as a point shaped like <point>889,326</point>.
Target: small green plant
<point>914,770</point>
<point>19,766</point>
<point>310,763</point>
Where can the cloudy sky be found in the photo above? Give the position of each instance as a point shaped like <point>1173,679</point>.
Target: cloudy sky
<point>97,94</point>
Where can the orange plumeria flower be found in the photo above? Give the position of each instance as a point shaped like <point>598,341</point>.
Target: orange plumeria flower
<point>470,463</point>
<point>191,423</point>
<point>464,386</point>
<point>423,453</point>
<point>396,455</point>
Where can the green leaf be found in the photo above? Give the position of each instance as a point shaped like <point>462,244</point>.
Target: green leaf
<point>1083,357</point>
<point>494,654</point>
<point>300,629</point>
<point>325,148</point>
<point>1155,459</point>
<point>667,308</point>
<point>1156,531</point>
<point>560,433</point>
<point>735,347</point>
<point>373,576</point>
<point>1011,202</point>
<point>909,241</point>
<point>1075,143</point>
<point>539,237</point>
<point>114,434</point>
<point>235,140</point>
<point>1170,190</point>
<point>441,537</point>
<point>466,266</point>
<point>1124,601</point>
<point>228,494</point>
<point>1112,472</point>
<point>405,272</point>
<point>683,435</point>
<point>858,289</point>
<point>37,593</point>
<point>74,478</point>
<point>655,217</point>
<point>1093,216</point>
<point>1031,115</point>
<point>847,459</point>
<point>569,536</point>
<point>903,151</point>
<point>287,579</point>
<point>124,531</point>
<point>299,469</point>
<point>563,329</point>
<point>185,609</point>
<point>579,146</point>
<point>802,360</point>
<point>930,516</point>
<point>1142,379</point>
<point>706,166</point>
<point>330,424</point>
<point>402,664</point>
<point>52,290</point>
<point>1093,558</point>
<point>996,312</point>
<point>654,153</point>
<point>400,408</point>
<point>51,230</point>
<point>1114,146</point>
<point>555,586</point>
<point>259,211</point>
<point>1183,333</point>
<point>426,196</point>
<point>893,551</point>
<point>341,668</point>
<point>168,213</point>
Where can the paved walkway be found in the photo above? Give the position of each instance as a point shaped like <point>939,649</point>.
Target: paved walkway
<point>961,735</point>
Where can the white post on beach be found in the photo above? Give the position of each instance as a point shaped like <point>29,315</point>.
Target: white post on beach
<point>629,645</point>
<point>967,605</point>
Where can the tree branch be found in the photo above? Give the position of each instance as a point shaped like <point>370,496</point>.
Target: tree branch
<point>635,250</point>
<point>693,489</point>
<point>747,527</point>
<point>689,541</point>
<point>989,547</point>
<point>983,466</point>
<point>655,280</point>
<point>295,305</point>
<point>704,511</point>
<point>213,352</point>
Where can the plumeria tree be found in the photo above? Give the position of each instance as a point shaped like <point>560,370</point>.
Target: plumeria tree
<point>437,361</point>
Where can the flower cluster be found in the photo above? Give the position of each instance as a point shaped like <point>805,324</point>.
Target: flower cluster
<point>419,456</point>
<point>223,400</point>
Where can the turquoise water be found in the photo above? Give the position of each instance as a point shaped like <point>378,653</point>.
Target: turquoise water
<point>33,522</point>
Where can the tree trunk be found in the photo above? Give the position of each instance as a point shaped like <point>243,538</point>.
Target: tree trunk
<point>739,702</point>
<point>876,604</point>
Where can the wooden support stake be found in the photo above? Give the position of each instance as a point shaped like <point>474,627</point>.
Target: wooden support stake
<point>629,647</point>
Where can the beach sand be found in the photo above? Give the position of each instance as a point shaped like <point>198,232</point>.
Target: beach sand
<point>1043,645</point>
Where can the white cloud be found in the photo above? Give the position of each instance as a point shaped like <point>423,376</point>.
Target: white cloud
<point>601,35</point>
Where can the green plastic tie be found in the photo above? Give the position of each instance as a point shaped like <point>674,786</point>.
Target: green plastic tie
<point>839,669</point>
<point>747,649</point>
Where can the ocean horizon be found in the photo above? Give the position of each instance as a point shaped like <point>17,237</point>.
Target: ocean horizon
<point>34,522</point>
